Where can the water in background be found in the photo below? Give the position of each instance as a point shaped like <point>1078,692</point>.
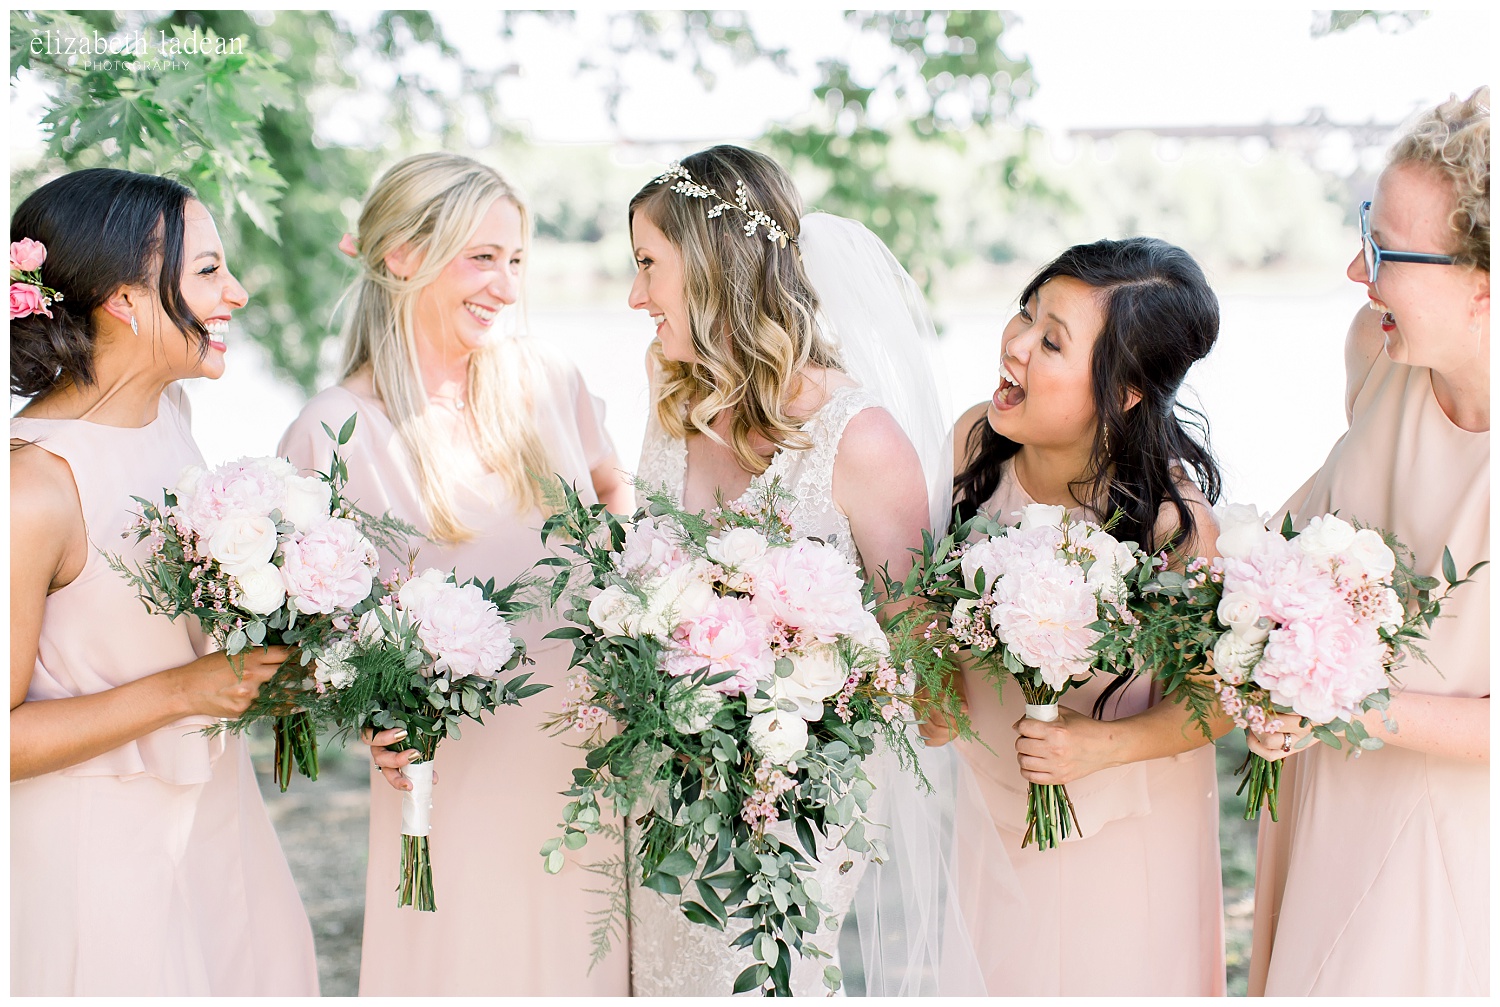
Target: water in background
<point>1272,389</point>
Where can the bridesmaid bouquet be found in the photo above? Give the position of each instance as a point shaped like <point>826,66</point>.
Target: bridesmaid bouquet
<point>733,678</point>
<point>262,556</point>
<point>1044,602</point>
<point>427,654</point>
<point>1309,626</point>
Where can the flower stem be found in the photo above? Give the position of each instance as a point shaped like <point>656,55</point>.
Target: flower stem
<point>296,745</point>
<point>1262,778</point>
<point>416,875</point>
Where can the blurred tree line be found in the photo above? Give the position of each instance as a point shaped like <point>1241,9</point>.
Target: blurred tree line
<point>241,128</point>
<point>931,151</point>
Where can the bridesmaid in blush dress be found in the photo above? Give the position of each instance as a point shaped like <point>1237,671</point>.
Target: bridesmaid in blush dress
<point>142,859</point>
<point>459,430</point>
<point>1086,416</point>
<point>1376,879</point>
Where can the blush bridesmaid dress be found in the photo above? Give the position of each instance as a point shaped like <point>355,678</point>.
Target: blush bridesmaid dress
<point>153,869</point>
<point>1376,879</point>
<point>503,926</point>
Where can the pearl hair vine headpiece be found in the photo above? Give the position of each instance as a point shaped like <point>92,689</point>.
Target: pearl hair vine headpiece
<point>686,185</point>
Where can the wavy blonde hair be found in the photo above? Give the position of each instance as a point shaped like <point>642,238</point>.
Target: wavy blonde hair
<point>750,307</point>
<point>434,203</point>
<point>1454,140</point>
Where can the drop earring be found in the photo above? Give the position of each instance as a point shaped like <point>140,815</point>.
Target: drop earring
<point>134,326</point>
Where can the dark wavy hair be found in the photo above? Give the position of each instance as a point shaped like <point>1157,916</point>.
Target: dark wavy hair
<point>1160,317</point>
<point>104,228</point>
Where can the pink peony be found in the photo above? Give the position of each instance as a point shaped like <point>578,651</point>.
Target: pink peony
<point>1322,669</point>
<point>27,255</point>
<point>330,568</point>
<point>465,633</point>
<point>726,635</point>
<point>1042,615</point>
<point>809,586</point>
<point>26,299</point>
<point>650,550</point>
<point>247,487</point>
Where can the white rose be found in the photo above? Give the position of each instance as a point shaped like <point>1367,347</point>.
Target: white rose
<point>278,468</point>
<point>1241,526</point>
<point>615,611</point>
<point>1233,658</point>
<point>676,596</point>
<point>1369,550</point>
<point>778,735</point>
<point>241,544</point>
<point>418,593</point>
<point>187,483</point>
<point>816,675</point>
<point>307,502</point>
<point>1043,516</point>
<point>691,711</point>
<point>738,547</point>
<point>1326,535</point>
<point>870,635</point>
<point>1241,613</point>
<point>261,589</point>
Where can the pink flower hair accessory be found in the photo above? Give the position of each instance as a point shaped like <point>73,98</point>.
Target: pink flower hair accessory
<point>28,295</point>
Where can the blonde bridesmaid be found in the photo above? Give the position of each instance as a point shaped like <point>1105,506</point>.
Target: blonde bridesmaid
<point>459,429</point>
<point>1086,416</point>
<point>142,859</point>
<point>1376,879</point>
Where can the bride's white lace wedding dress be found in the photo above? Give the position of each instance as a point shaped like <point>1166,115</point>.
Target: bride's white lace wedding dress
<point>669,955</point>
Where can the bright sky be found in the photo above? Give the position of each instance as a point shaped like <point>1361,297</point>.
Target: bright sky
<point>1099,68</point>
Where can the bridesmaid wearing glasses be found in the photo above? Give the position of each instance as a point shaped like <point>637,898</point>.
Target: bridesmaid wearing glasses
<point>1376,879</point>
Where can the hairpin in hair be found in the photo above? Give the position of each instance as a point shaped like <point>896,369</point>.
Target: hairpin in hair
<point>686,185</point>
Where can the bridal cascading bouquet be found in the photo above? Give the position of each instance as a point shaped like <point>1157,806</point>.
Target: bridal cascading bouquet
<point>424,655</point>
<point>1289,628</point>
<point>732,679</point>
<point>1044,603</point>
<point>263,556</point>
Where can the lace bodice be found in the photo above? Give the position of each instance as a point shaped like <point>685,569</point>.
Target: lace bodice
<point>806,474</point>
<point>670,956</point>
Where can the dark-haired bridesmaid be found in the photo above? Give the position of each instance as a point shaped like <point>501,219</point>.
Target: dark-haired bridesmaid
<point>1086,416</point>
<point>142,859</point>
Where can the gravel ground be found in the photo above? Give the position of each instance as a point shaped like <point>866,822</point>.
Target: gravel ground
<point>324,828</point>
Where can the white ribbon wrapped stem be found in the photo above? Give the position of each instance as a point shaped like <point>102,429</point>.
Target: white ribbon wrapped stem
<point>416,803</point>
<point>1045,712</point>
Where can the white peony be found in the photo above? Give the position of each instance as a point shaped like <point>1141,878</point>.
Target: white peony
<point>261,589</point>
<point>242,544</point>
<point>616,612</point>
<point>1234,657</point>
<point>778,735</point>
<point>1043,516</point>
<point>1241,613</point>
<point>1374,557</point>
<point>307,502</point>
<point>1241,528</point>
<point>1326,535</point>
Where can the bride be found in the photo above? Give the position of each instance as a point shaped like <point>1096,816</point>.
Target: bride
<point>775,358</point>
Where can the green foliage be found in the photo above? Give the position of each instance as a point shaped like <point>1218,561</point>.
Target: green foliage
<point>679,762</point>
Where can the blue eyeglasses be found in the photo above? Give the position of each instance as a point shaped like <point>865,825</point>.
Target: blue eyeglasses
<point>1374,254</point>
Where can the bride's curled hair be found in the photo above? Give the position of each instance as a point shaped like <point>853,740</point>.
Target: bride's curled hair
<point>750,306</point>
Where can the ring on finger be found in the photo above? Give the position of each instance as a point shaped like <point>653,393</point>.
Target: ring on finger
<point>1286,742</point>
